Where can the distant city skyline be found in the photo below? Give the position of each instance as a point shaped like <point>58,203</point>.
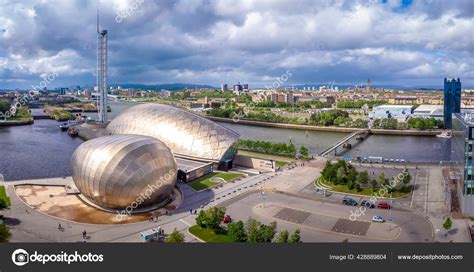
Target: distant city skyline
<point>396,43</point>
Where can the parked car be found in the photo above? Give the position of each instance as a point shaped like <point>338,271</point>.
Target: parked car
<point>383,205</point>
<point>349,201</point>
<point>367,204</point>
<point>227,219</point>
<point>378,218</point>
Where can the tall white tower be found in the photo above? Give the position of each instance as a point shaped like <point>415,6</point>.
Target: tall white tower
<point>102,72</point>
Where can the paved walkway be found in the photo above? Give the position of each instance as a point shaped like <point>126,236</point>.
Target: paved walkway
<point>30,225</point>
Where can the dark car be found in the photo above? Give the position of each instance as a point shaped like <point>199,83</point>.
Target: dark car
<point>349,201</point>
<point>367,204</point>
<point>383,205</point>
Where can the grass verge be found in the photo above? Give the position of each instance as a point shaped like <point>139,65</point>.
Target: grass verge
<point>205,182</point>
<point>3,195</point>
<point>209,236</point>
<point>343,188</point>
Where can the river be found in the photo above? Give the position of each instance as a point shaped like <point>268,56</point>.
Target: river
<point>41,150</point>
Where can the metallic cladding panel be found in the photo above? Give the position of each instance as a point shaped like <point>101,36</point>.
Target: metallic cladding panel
<point>113,171</point>
<point>185,133</point>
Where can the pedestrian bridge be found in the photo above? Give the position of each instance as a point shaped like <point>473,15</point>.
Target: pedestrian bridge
<point>344,140</point>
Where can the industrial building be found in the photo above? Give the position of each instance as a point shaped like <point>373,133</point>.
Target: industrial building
<point>399,112</point>
<point>429,111</point>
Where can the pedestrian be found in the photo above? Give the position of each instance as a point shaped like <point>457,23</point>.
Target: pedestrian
<point>59,226</point>
<point>84,234</point>
<point>191,211</point>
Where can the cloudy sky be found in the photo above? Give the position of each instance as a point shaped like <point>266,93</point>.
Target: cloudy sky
<point>211,42</point>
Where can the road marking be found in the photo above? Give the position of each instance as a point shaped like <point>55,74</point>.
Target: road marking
<point>186,223</point>
<point>333,232</point>
<point>414,185</point>
<point>426,198</point>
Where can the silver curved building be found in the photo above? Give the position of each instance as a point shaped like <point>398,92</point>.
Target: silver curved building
<point>120,171</point>
<point>185,133</point>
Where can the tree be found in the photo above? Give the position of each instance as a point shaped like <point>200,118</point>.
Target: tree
<point>373,182</point>
<point>4,233</point>
<point>363,177</point>
<point>282,237</point>
<point>381,179</point>
<point>267,233</point>
<point>214,217</point>
<point>211,218</point>
<point>406,177</point>
<point>447,224</point>
<point>295,237</point>
<point>341,175</point>
<point>201,219</point>
<point>4,106</point>
<point>3,203</point>
<point>236,231</point>
<point>304,151</point>
<point>252,230</point>
<point>175,237</point>
<point>351,174</point>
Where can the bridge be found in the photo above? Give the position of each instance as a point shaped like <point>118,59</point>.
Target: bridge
<point>344,140</point>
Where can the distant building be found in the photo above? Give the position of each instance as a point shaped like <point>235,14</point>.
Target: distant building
<point>165,93</point>
<point>238,89</point>
<point>62,91</point>
<point>428,111</point>
<point>224,88</point>
<point>462,143</point>
<point>399,112</point>
<point>452,100</point>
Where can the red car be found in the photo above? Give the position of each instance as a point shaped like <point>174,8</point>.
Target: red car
<point>383,205</point>
<point>227,219</point>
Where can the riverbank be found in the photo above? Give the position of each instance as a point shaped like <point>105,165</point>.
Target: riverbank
<point>408,132</point>
<point>16,123</point>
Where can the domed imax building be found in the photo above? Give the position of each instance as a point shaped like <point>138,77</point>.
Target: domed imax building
<point>148,148</point>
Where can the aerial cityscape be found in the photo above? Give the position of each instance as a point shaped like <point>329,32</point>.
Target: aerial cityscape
<point>236,122</point>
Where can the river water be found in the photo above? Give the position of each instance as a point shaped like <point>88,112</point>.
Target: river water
<point>42,150</point>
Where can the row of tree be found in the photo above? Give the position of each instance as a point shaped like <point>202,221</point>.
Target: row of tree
<point>349,104</point>
<point>342,173</point>
<point>327,118</point>
<point>273,148</point>
<point>252,231</point>
<point>386,123</point>
<point>424,123</point>
<point>268,147</point>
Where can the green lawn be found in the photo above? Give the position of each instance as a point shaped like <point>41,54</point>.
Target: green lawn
<point>280,163</point>
<point>209,235</point>
<point>365,191</point>
<point>3,195</point>
<point>204,182</point>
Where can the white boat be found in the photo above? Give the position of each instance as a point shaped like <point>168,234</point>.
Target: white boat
<point>445,134</point>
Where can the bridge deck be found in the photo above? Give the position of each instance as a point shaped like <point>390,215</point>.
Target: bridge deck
<point>342,141</point>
